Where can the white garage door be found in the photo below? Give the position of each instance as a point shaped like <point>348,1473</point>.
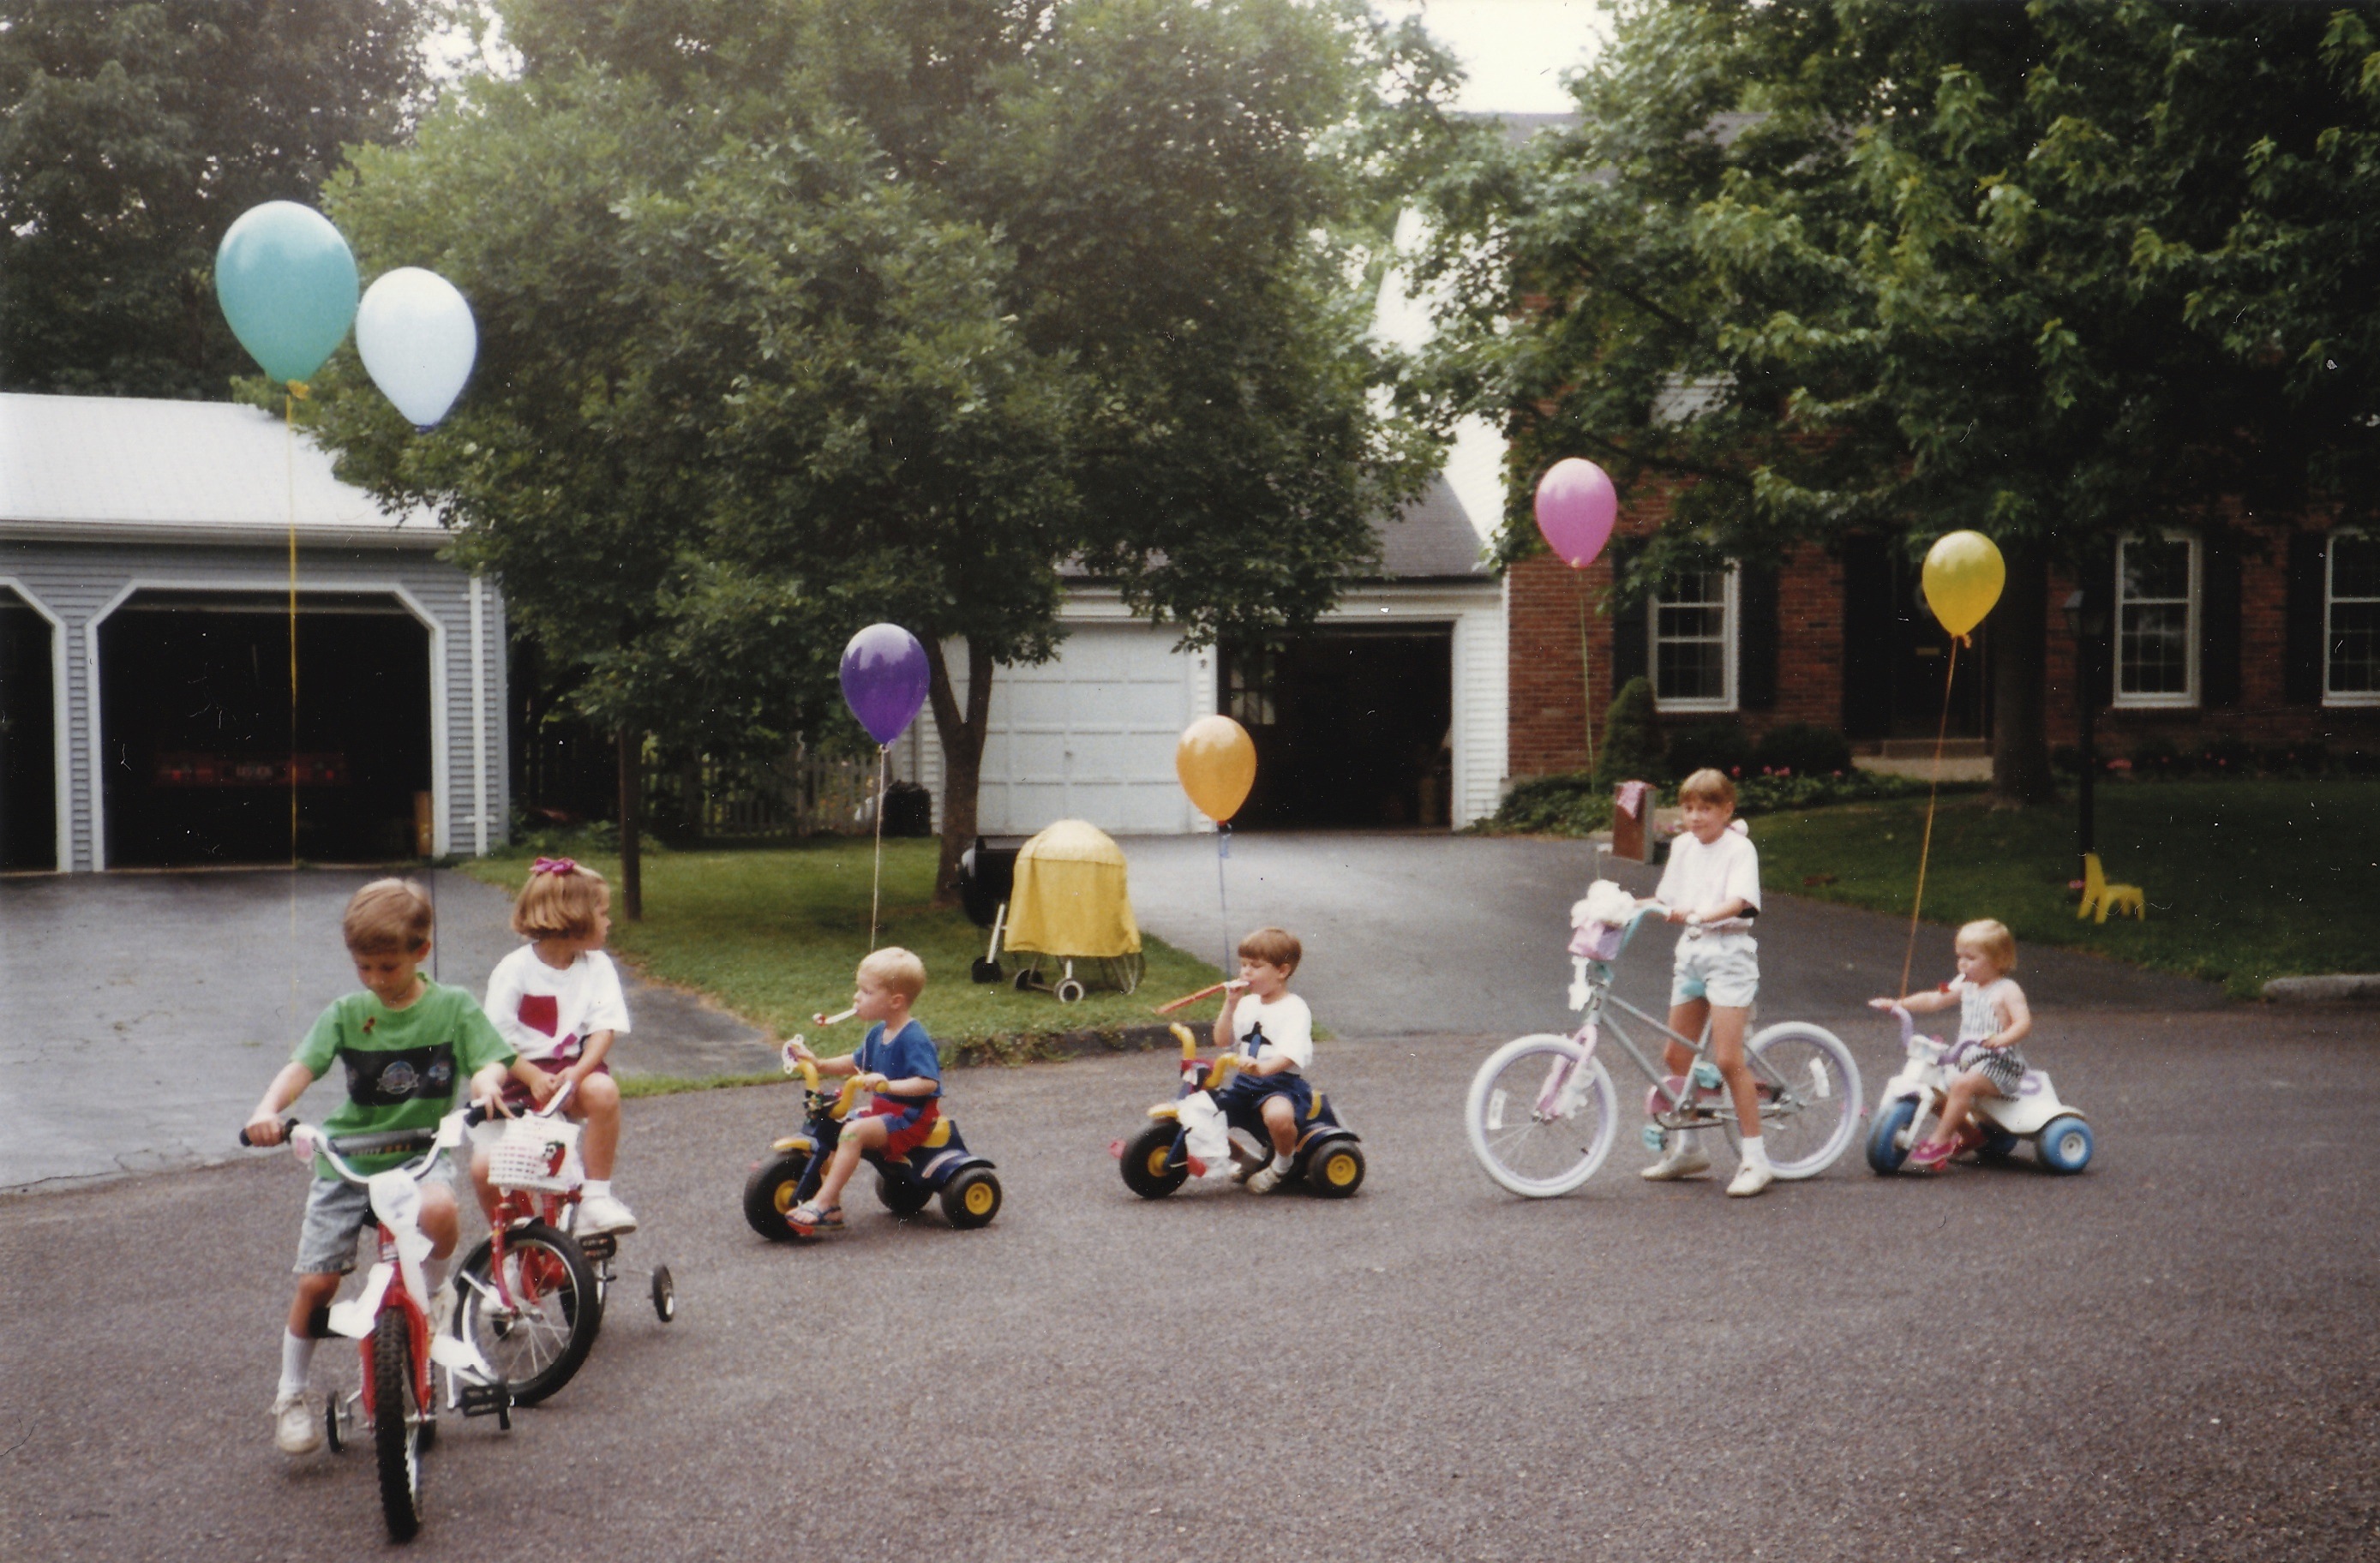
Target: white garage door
<point>1090,735</point>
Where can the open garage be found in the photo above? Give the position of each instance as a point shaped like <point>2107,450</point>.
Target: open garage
<point>147,550</point>
<point>196,714</point>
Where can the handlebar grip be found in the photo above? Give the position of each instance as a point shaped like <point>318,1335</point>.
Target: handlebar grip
<point>475,1115</point>
<point>289,1126</point>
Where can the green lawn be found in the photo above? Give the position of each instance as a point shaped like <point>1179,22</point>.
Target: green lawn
<point>2246,881</point>
<point>773,935</point>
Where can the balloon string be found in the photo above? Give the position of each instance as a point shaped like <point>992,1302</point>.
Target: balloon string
<point>1932,784</point>
<point>1585,674</point>
<point>289,443</point>
<point>1222,894</point>
<point>876,894</point>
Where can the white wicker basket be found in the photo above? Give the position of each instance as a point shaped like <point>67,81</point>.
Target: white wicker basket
<point>536,1153</point>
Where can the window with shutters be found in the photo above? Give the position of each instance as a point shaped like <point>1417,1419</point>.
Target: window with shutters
<point>1692,626</point>
<point>2156,621</point>
<point>2351,621</point>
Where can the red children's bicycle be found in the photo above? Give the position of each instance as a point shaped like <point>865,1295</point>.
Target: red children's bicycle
<point>390,1317</point>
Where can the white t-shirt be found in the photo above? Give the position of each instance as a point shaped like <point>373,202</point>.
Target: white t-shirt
<point>1288,1029</point>
<point>1700,877</point>
<point>544,1014</point>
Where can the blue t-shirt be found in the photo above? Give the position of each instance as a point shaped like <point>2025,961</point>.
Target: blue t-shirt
<point>908,1054</point>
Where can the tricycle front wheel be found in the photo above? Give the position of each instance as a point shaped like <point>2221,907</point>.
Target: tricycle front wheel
<point>1150,1169</point>
<point>773,1188</point>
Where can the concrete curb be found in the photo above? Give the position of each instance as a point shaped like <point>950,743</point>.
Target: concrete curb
<point>2341,987</point>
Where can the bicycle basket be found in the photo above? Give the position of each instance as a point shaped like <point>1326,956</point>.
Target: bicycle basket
<point>536,1153</point>
<point>1597,941</point>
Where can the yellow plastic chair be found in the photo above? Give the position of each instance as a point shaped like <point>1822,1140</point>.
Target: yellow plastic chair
<point>2098,895</point>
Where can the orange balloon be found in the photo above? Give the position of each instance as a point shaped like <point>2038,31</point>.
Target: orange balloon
<point>1217,762</point>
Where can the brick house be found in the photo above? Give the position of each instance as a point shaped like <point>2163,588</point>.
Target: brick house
<point>2269,635</point>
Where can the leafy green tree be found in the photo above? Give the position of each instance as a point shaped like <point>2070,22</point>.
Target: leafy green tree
<point>802,316</point>
<point>1825,265</point>
<point>132,135</point>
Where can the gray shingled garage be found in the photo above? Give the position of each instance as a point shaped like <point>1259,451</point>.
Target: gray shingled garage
<point>146,645</point>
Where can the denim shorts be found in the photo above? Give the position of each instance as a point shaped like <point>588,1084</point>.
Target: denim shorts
<point>1721,968</point>
<point>336,1211</point>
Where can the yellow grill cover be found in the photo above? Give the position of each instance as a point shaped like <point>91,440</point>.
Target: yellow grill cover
<point>1070,897</point>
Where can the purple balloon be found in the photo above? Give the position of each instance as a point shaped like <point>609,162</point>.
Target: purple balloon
<point>1576,505</point>
<point>884,679</point>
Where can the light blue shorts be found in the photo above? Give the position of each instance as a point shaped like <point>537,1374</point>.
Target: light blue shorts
<point>1721,968</point>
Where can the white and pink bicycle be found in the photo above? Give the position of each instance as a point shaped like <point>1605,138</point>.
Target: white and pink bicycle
<point>1542,1111</point>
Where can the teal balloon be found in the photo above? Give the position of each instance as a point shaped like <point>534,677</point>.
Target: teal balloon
<point>287,285</point>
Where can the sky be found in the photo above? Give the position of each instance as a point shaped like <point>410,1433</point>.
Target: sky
<point>1513,51</point>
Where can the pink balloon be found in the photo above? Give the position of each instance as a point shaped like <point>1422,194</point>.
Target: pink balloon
<point>1576,505</point>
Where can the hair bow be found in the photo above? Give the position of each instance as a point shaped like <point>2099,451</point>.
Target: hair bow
<point>558,865</point>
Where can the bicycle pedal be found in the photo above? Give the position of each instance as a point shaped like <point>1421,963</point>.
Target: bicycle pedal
<point>599,1246</point>
<point>484,1400</point>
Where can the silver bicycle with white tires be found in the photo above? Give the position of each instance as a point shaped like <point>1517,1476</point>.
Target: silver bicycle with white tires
<point>1542,1110</point>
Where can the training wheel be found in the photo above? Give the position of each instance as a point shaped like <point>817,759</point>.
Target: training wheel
<point>1069,991</point>
<point>665,1294</point>
<point>332,1434</point>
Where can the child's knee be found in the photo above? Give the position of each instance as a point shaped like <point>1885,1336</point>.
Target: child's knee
<point>597,1096</point>
<point>1278,1112</point>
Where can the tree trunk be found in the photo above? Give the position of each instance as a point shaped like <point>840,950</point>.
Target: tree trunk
<point>2019,643</point>
<point>632,776</point>
<point>962,737</point>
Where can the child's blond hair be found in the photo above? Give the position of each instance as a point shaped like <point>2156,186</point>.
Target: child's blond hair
<point>897,969</point>
<point>1707,786</point>
<point>1989,937</point>
<point>1274,947</point>
<point>387,917</point>
<point>562,900</point>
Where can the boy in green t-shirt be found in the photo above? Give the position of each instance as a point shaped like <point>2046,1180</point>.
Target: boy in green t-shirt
<point>407,1043</point>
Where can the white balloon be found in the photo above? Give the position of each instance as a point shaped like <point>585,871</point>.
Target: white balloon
<point>417,340</point>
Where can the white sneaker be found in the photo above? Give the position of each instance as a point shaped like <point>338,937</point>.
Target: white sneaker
<point>1264,1178</point>
<point>1749,1181</point>
<point>296,1429</point>
<point>599,1214</point>
<point>1684,1160</point>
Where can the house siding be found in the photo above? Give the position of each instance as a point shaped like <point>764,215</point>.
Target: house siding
<point>81,583</point>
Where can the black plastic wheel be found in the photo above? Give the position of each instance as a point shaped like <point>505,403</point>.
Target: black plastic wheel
<point>1999,1147</point>
<point>665,1294</point>
<point>333,1434</point>
<point>536,1330</point>
<point>1150,1169</point>
<point>972,1198</point>
<point>902,1196</point>
<point>1023,982</point>
<point>1335,1169</point>
<point>397,1432</point>
<point>984,970</point>
<point>769,1193</point>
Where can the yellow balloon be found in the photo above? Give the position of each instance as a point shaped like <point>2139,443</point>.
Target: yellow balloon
<point>1963,577</point>
<point>1217,762</point>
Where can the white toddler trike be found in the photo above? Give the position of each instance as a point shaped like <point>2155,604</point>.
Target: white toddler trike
<point>2060,1137</point>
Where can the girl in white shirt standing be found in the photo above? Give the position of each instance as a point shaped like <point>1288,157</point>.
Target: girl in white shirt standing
<point>557,1000</point>
<point>1712,885</point>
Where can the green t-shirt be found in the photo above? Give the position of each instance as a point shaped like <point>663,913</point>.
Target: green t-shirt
<point>403,1066</point>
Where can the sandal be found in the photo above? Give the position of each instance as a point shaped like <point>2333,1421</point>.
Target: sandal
<point>807,1220</point>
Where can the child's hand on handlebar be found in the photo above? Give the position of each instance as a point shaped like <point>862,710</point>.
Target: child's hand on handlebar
<point>868,1081</point>
<point>263,1129</point>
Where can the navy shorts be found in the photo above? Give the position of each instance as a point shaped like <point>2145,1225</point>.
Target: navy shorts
<point>1242,1100</point>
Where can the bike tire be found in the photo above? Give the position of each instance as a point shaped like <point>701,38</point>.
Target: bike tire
<point>396,1425</point>
<point>1822,1080</point>
<point>542,1338</point>
<point>1528,1156</point>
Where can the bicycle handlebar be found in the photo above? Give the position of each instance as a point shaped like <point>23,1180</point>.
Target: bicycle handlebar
<point>288,1127</point>
<point>431,1143</point>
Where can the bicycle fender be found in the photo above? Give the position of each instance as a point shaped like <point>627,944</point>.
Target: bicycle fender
<point>354,1317</point>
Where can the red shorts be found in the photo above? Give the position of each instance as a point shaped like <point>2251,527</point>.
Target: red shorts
<point>516,1094</point>
<point>909,1124</point>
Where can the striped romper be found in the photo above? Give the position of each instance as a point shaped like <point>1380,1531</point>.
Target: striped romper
<point>1979,1019</point>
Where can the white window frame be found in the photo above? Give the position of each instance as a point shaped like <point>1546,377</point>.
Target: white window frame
<point>2193,607</point>
<point>1730,637</point>
<point>2330,601</point>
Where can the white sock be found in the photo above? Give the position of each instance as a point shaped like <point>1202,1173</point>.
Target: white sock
<point>1681,1144</point>
<point>1281,1164</point>
<point>296,1357</point>
<point>1755,1154</point>
<point>596,1188</point>
<point>434,1272</point>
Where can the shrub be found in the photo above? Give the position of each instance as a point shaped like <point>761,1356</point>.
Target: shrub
<point>1632,737</point>
<point>1804,749</point>
<point>1573,804</point>
<point>2227,755</point>
<point>1723,746</point>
